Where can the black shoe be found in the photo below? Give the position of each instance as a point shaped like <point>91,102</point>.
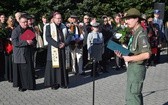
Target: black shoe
<point>1,78</point>
<point>55,87</point>
<point>21,89</point>
<point>83,73</point>
<point>64,87</point>
<point>117,68</point>
<point>10,81</point>
<point>105,71</point>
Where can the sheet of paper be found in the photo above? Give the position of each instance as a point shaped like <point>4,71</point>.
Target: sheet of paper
<point>118,35</point>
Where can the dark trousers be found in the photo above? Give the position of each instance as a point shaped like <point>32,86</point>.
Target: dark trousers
<point>8,67</point>
<point>2,65</point>
<point>85,55</point>
<point>26,74</point>
<point>40,57</point>
<point>105,57</point>
<point>158,56</point>
<point>16,77</point>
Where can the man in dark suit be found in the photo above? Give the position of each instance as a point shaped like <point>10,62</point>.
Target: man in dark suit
<point>87,30</point>
<point>106,30</point>
<point>22,52</point>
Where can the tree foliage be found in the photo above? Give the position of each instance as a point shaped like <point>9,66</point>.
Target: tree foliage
<point>95,8</point>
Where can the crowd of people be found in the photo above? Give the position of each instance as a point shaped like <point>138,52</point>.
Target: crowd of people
<point>68,47</point>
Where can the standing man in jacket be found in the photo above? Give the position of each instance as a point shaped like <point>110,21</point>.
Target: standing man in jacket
<point>140,48</point>
<point>22,52</point>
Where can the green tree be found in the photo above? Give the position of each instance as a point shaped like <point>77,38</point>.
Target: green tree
<point>80,7</point>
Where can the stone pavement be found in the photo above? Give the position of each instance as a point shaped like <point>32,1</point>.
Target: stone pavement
<point>109,89</point>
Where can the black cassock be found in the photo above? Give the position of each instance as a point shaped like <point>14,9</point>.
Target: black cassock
<point>55,76</point>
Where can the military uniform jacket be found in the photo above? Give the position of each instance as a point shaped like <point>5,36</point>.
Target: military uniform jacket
<point>139,43</point>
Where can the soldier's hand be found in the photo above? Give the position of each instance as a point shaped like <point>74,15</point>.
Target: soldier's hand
<point>118,53</point>
<point>127,58</point>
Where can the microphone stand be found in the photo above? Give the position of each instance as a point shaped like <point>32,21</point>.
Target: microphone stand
<point>94,58</point>
<point>94,64</point>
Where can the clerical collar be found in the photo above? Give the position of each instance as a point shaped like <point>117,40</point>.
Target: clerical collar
<point>58,26</point>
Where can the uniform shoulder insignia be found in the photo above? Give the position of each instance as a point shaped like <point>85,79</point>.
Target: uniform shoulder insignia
<point>144,43</point>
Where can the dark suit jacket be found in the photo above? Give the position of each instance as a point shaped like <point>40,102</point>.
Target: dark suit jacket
<point>19,46</point>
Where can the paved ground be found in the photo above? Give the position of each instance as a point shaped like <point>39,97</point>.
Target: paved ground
<point>109,89</point>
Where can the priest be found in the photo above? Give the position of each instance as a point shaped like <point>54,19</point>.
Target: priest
<point>56,74</point>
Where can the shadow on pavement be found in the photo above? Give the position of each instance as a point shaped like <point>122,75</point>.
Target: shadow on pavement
<point>165,103</point>
<point>163,58</point>
<point>151,92</point>
<point>77,80</point>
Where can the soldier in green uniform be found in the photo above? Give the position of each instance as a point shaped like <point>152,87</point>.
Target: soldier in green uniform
<point>140,48</point>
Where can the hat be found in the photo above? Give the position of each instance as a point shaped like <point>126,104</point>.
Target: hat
<point>29,17</point>
<point>73,16</point>
<point>95,24</point>
<point>32,16</point>
<point>26,15</point>
<point>133,12</point>
<point>156,11</point>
